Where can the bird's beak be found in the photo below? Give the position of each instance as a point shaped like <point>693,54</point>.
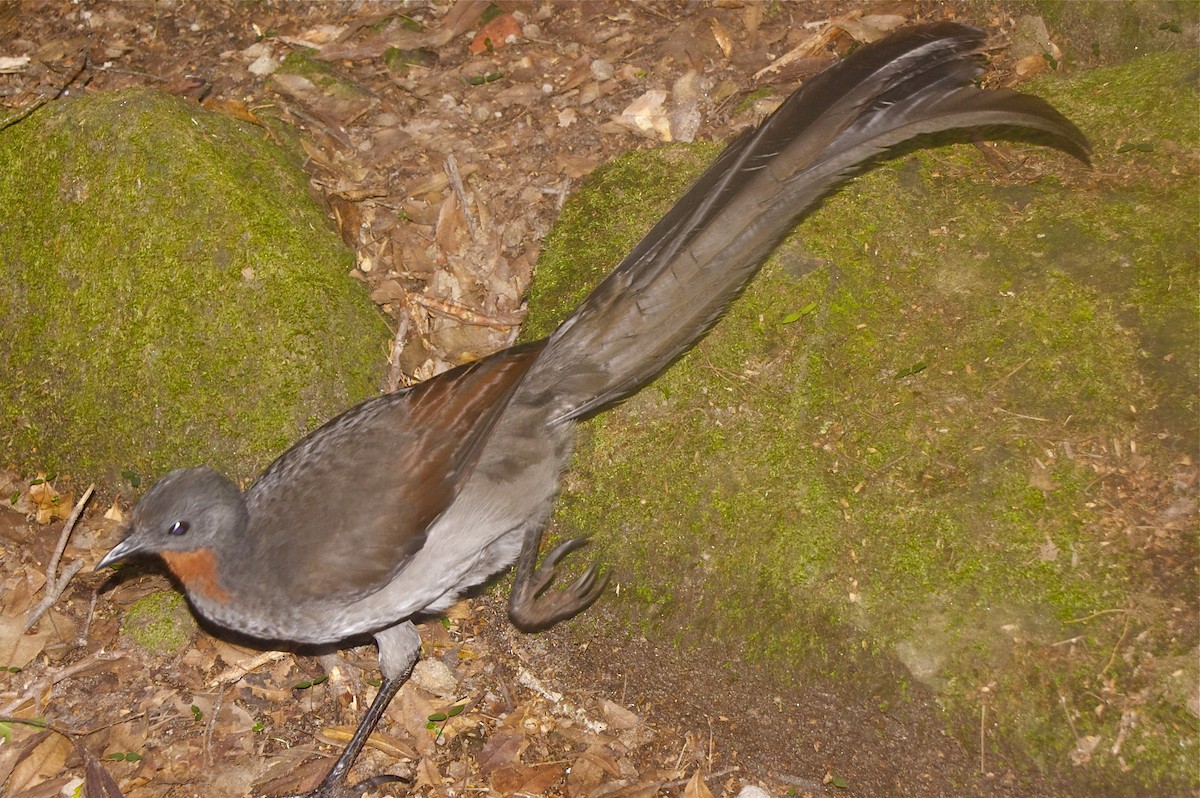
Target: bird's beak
<point>123,550</point>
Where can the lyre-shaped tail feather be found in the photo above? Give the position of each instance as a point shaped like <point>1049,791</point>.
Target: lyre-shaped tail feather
<point>665,295</point>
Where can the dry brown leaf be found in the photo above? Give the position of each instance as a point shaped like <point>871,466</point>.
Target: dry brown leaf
<point>49,504</point>
<point>12,752</point>
<point>17,594</point>
<point>338,103</point>
<point>1039,477</point>
<point>871,27</point>
<point>581,70</point>
<point>10,64</point>
<point>647,114</point>
<point>752,17</point>
<point>585,776</point>
<point>721,34</point>
<point>508,780</point>
<point>696,788</point>
<point>115,513</point>
<point>317,154</point>
<point>296,86</point>
<point>389,744</point>
<point>449,226</point>
<point>427,775</point>
<point>288,774</point>
<point>544,777</point>
<point>500,750</point>
<point>43,762</point>
<point>316,36</point>
<point>640,789</point>
<point>18,649</point>
<point>98,782</point>
<point>1084,746</point>
<point>459,19</point>
<point>619,717</point>
<point>593,768</point>
<point>460,611</point>
<point>1048,551</point>
<point>128,736</point>
<point>235,108</point>
<point>1031,65</point>
<point>61,630</point>
<point>412,707</point>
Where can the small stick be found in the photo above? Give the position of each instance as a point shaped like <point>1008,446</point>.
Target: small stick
<point>461,193</point>
<point>1116,648</point>
<point>74,76</point>
<point>235,674</point>
<point>55,588</point>
<point>466,315</point>
<point>982,737</point>
<point>208,727</point>
<point>714,774</point>
<point>1003,379</point>
<point>1062,700</point>
<point>395,376</point>
<point>54,678</point>
<point>1096,614</point>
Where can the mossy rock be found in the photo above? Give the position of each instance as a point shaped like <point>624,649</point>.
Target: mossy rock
<point>161,623</point>
<point>171,293</point>
<point>883,453</point>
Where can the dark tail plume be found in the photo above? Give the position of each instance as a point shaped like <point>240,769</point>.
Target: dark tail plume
<point>665,295</point>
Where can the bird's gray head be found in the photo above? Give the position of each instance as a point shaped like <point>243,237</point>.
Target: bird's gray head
<point>189,510</point>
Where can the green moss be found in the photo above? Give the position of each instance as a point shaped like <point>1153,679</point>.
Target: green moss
<point>159,623</point>
<point>805,491</point>
<point>171,295</point>
<point>301,62</point>
<point>1113,32</point>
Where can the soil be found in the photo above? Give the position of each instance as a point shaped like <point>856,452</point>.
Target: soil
<point>523,121</point>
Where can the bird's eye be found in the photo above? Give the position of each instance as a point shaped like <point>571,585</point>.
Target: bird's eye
<point>178,528</point>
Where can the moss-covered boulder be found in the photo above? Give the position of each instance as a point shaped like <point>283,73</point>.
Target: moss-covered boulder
<point>950,426</point>
<point>171,294</point>
<point>159,623</point>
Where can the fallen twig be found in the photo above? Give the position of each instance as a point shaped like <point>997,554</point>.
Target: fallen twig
<point>74,76</point>
<point>234,674</point>
<point>55,587</point>
<point>466,315</point>
<point>461,192</point>
<point>716,774</point>
<point>49,680</point>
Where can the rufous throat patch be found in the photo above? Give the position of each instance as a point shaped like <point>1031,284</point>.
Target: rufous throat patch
<point>197,570</point>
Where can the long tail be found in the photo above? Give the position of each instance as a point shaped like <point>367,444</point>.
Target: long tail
<point>665,295</point>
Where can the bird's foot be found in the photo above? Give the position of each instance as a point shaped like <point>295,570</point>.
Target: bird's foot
<point>338,788</point>
<point>531,611</point>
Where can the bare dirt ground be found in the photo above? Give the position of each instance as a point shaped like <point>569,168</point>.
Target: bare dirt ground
<point>444,157</point>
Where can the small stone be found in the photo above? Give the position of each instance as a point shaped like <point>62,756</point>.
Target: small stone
<point>601,69</point>
<point>436,677</point>
<point>263,65</point>
<point>751,791</point>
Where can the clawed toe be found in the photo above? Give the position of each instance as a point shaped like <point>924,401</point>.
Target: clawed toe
<point>530,610</point>
<point>339,789</point>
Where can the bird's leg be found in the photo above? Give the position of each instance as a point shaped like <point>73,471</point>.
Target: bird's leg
<point>334,784</point>
<point>528,609</point>
<point>399,647</point>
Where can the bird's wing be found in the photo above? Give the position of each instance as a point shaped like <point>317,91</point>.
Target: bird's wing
<point>389,468</point>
